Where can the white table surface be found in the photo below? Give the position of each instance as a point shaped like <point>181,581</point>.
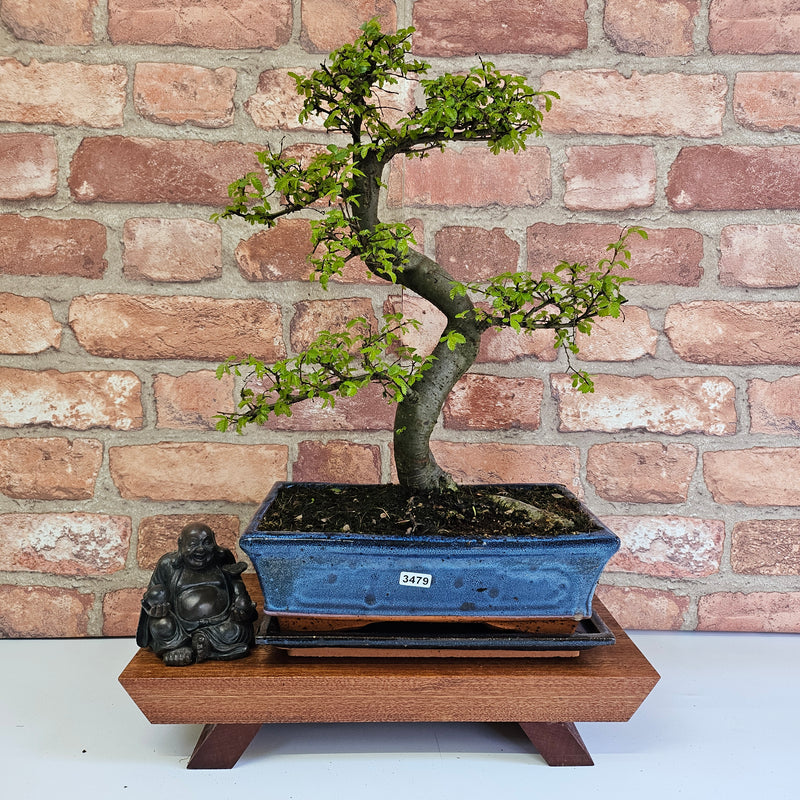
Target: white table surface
<point>720,724</point>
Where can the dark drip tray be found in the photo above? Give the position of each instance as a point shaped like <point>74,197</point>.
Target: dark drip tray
<point>400,636</point>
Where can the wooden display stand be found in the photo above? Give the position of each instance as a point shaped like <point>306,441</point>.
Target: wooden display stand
<point>545,696</point>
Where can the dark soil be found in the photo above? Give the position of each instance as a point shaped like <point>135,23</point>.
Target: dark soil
<point>389,509</point>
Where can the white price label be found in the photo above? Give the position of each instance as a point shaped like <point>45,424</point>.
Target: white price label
<point>416,579</point>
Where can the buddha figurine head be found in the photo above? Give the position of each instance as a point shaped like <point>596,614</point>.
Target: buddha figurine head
<point>198,546</point>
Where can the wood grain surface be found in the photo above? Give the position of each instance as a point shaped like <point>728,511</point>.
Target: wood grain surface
<point>606,683</point>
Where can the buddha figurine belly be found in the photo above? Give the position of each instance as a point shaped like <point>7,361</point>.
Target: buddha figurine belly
<point>197,601</point>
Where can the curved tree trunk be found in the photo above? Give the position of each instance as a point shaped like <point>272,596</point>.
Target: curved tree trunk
<point>418,413</point>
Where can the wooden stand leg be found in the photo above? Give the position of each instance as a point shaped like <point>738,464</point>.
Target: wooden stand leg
<point>221,746</point>
<point>558,743</point>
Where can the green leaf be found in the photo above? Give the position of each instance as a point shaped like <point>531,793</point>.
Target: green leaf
<point>453,339</point>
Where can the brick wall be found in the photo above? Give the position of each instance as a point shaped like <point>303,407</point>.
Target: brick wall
<point>121,124</point>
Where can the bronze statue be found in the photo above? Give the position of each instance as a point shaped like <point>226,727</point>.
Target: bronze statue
<point>196,606</point>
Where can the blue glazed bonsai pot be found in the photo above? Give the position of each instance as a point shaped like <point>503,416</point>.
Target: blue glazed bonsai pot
<point>424,577</point>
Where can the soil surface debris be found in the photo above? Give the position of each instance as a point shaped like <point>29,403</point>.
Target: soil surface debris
<point>393,510</point>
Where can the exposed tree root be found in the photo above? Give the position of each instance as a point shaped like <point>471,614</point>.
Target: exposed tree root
<point>535,513</point>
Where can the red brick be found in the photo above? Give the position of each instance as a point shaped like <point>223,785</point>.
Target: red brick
<point>49,468</point>
<point>223,24</point>
<point>175,94</point>
<point>396,101</point>
<point>754,26</point>
<point>718,332</point>
<point>718,178</point>
<point>50,21</point>
<point>197,471</point>
<point>610,177</point>
<point>490,402</point>
<point>366,411</point>
<point>651,27</point>
<point>304,152</point>
<point>28,166</point>
<point>159,534</point>
<point>276,103</point>
<point>625,338</point>
<point>281,254</point>
<point>770,612</point>
<point>766,547</point>
<point>337,461</point>
<point>605,101</point>
<point>121,611</point>
<point>69,94</point>
<point>506,345</point>
<point>644,609</point>
<point>418,232</point>
<point>77,544</point>
<point>118,169</point>
<point>474,254</point>
<point>760,476</point>
<point>42,246</point>
<point>203,328</point>
<point>171,250</point>
<point>312,316</point>
<point>191,401</point>
<point>775,405</point>
<point>492,462</point>
<point>43,612</point>
<point>472,177</point>
<point>76,400</point>
<point>586,243</point>
<point>670,255</point>
<point>760,256</point>
<point>277,254</point>
<point>658,405</point>
<point>431,321</point>
<point>328,24</point>
<point>767,101</point>
<point>27,325</point>
<point>641,472</point>
<point>464,27</point>
<point>667,547</point>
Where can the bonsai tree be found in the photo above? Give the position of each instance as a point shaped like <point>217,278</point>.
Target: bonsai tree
<point>342,185</point>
